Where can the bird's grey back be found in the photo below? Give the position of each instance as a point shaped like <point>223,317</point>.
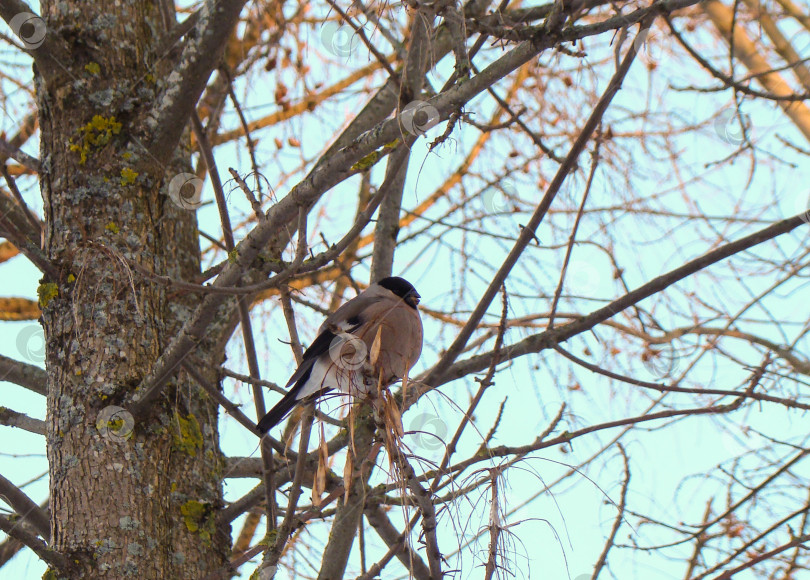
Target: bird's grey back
<point>352,309</point>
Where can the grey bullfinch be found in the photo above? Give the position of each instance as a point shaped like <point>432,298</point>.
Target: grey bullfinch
<point>376,337</point>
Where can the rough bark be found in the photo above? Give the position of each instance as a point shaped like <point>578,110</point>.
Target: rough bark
<point>105,203</point>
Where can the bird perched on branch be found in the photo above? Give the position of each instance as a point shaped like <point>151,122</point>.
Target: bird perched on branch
<point>373,339</point>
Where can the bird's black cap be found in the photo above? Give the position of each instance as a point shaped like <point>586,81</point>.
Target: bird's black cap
<point>399,286</point>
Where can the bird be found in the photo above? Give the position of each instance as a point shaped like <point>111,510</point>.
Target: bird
<point>373,339</point>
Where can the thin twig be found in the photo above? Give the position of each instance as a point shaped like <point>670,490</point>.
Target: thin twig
<point>250,380</point>
<point>292,328</point>
<point>483,385</point>
<point>244,310</point>
<point>619,517</point>
<point>290,270</point>
<point>549,338</point>
<point>528,232</point>
<point>494,524</point>
<point>246,128</point>
<point>257,208</point>
<point>573,236</point>
<point>381,58</point>
<point>273,554</point>
<point>230,407</point>
<point>797,542</point>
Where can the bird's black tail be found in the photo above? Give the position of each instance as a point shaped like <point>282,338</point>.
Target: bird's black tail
<point>277,413</point>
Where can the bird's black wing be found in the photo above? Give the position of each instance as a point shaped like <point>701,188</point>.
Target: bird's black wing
<point>321,346</point>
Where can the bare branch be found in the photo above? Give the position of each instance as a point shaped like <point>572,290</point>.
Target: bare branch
<point>528,232</point>
<point>232,409</point>
<point>8,150</point>
<point>273,555</point>
<point>53,559</point>
<point>8,549</point>
<point>12,418</point>
<point>796,542</point>
<point>33,221</point>
<point>723,19</point>
<point>16,234</point>
<point>350,510</point>
<point>26,375</point>
<point>37,42</point>
<point>199,58</point>
<point>549,338</point>
<point>387,227</point>
<point>397,542</point>
<point>494,524</point>
<point>26,509</point>
<point>424,501</point>
<point>619,517</point>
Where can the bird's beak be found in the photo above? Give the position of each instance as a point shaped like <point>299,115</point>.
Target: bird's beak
<point>413,299</point>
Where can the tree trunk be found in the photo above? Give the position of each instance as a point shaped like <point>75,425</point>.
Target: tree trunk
<point>127,499</point>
